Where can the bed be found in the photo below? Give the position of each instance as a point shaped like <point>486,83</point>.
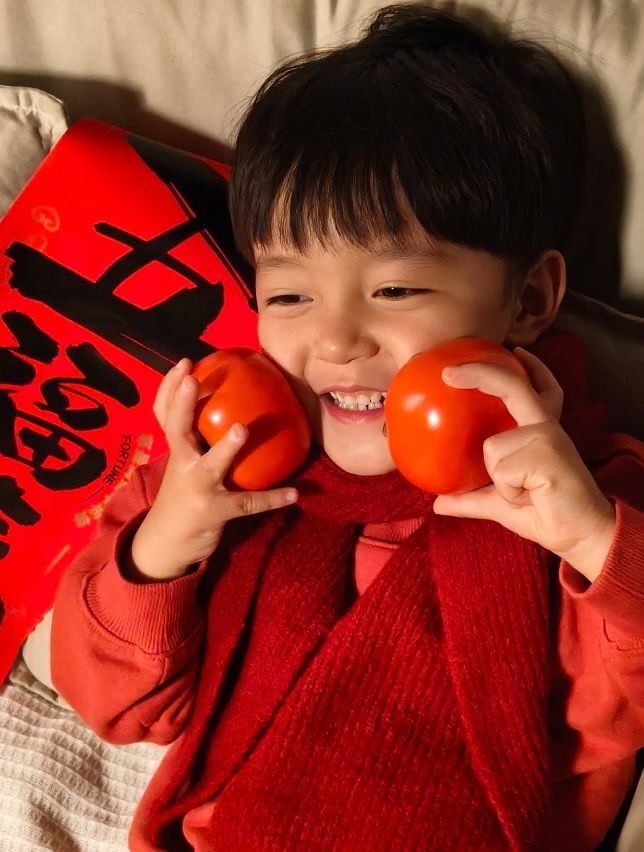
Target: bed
<point>179,72</point>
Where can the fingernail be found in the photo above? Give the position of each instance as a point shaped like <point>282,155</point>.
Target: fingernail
<point>291,495</point>
<point>237,432</point>
<point>450,372</point>
<point>186,385</point>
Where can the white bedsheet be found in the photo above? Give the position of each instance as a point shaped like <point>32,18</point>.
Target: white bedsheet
<point>61,788</point>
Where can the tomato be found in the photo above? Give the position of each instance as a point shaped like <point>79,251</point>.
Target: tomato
<point>242,386</point>
<point>436,432</point>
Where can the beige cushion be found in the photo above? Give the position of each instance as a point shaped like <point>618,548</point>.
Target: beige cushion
<point>30,123</point>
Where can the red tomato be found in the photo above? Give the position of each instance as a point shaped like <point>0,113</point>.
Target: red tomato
<point>436,432</point>
<point>242,386</point>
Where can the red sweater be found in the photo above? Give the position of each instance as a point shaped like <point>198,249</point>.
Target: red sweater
<point>127,656</point>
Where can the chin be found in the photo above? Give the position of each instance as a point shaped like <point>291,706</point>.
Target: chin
<point>362,464</point>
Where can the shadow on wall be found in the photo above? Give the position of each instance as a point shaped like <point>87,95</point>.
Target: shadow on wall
<point>594,251</point>
<point>121,106</point>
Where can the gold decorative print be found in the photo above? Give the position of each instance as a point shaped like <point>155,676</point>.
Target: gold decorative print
<point>46,216</point>
<point>37,241</point>
<point>137,455</point>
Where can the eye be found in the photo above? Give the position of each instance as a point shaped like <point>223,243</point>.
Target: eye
<point>394,292</point>
<point>286,299</point>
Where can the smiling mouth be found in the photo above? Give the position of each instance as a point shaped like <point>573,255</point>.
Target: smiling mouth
<point>358,401</point>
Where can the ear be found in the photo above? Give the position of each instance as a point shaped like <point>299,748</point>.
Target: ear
<point>538,299</point>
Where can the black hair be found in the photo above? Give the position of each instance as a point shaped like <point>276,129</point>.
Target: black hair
<point>480,135</point>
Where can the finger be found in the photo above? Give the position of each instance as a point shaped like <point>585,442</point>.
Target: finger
<point>512,441</point>
<point>242,503</point>
<point>488,505</point>
<point>509,458</point>
<point>535,460</point>
<point>168,387</point>
<point>517,394</point>
<point>474,504</point>
<point>543,381</point>
<point>521,462</point>
<point>179,418</point>
<point>511,481</point>
<point>544,445</point>
<point>218,459</point>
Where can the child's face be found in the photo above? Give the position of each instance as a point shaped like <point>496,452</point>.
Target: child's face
<point>342,321</point>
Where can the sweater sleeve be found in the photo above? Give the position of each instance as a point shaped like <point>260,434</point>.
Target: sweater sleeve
<point>601,639</point>
<point>124,654</point>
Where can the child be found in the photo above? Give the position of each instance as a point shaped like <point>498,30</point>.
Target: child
<point>346,662</point>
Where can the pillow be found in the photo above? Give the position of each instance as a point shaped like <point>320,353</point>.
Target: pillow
<point>31,122</point>
<point>117,259</point>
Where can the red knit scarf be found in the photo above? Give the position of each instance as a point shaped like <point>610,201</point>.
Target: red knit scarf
<point>412,717</point>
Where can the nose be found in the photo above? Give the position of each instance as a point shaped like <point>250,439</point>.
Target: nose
<point>343,337</point>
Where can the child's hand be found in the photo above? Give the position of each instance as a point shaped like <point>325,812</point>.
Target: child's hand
<point>186,521</point>
<point>540,488</point>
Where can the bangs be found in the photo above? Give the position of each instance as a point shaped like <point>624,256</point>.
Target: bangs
<point>327,166</point>
<point>366,145</point>
<point>342,199</point>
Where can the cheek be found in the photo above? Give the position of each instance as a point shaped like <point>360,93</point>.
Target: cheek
<point>285,347</point>
<point>280,344</point>
<point>269,338</point>
<point>495,312</point>
<point>465,317</point>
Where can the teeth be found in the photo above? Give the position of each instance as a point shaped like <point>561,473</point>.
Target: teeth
<point>358,401</point>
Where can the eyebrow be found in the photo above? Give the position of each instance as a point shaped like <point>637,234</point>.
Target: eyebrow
<point>276,261</point>
<point>418,254</point>
<point>415,253</point>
